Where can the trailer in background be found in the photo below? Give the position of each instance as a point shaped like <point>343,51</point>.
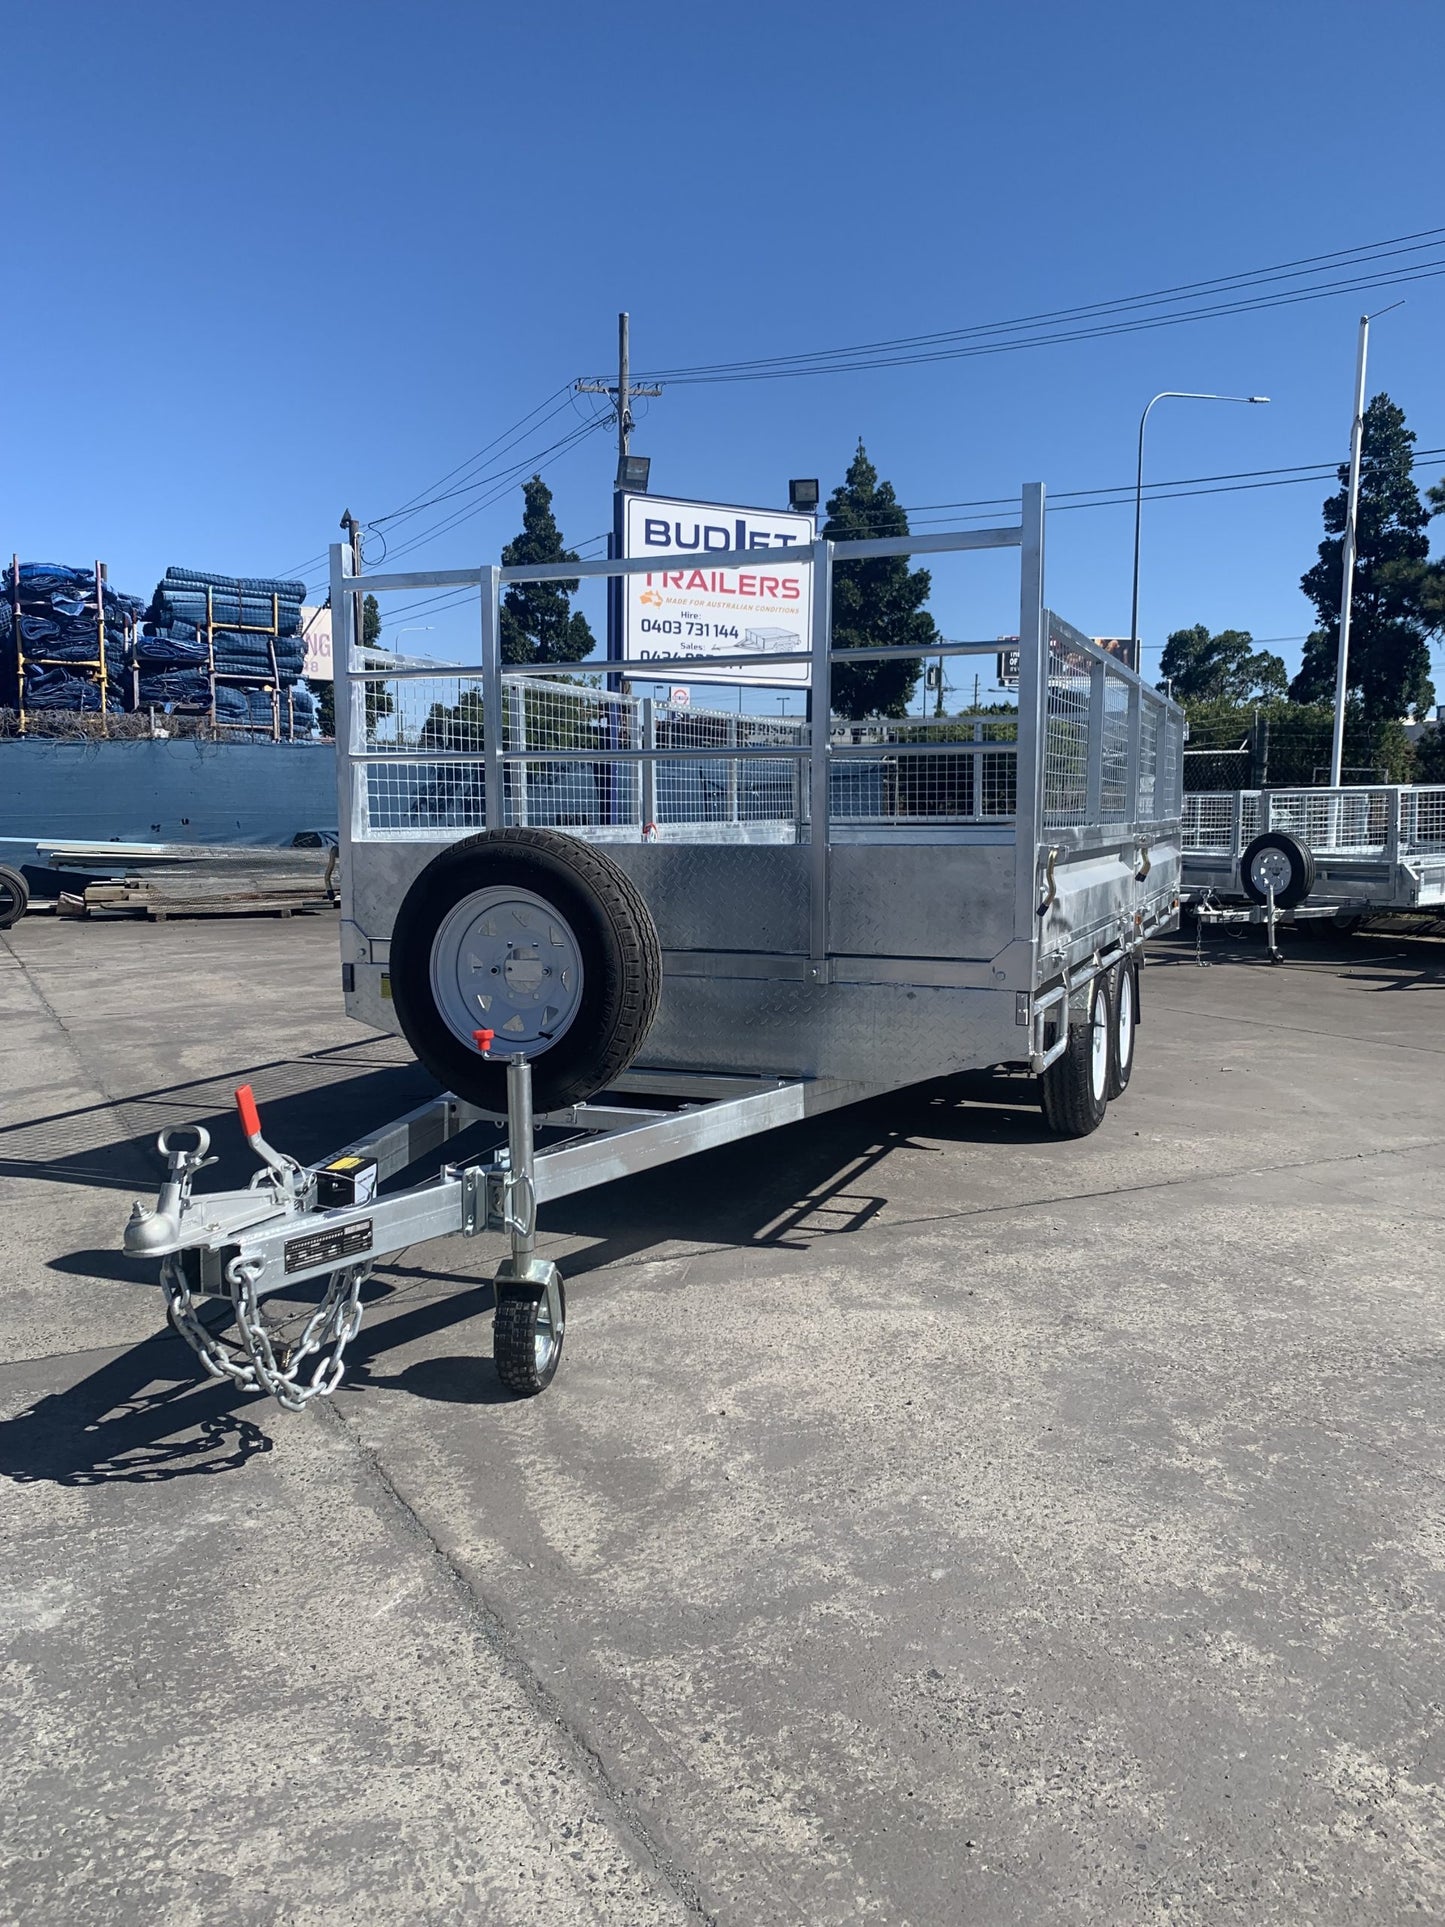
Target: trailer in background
<point>1314,855</point>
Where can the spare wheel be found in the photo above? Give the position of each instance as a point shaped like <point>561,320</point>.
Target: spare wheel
<point>1281,860</point>
<point>542,940</point>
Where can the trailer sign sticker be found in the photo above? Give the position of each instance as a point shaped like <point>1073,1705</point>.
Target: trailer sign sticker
<point>327,1247</point>
<point>690,607</point>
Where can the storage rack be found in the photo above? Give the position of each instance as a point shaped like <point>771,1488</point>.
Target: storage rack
<point>22,656</point>
<point>271,683</point>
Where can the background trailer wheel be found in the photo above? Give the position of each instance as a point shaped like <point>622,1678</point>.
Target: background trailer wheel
<point>1074,1090</point>
<point>14,896</point>
<point>539,938</point>
<point>1124,1012</point>
<point>1281,860</point>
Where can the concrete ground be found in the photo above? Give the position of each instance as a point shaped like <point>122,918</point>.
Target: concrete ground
<point>930,1522</point>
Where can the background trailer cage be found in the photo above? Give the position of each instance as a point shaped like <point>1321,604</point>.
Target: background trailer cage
<point>647,930</point>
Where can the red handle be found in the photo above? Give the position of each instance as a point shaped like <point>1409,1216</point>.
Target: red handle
<point>250,1116</point>
<point>483,1040</point>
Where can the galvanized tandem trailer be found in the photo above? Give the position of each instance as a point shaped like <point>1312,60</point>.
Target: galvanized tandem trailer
<point>619,932</point>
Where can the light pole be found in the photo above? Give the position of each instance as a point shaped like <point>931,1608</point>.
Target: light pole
<point>1347,546</point>
<point>1167,394</point>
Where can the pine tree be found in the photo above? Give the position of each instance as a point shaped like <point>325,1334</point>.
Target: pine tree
<point>538,622</point>
<point>877,603</point>
<point>1389,669</point>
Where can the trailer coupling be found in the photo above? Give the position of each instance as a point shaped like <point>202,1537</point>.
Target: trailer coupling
<point>255,1249</point>
<point>294,1224</point>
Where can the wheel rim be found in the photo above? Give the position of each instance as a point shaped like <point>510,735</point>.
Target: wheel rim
<point>1270,867</point>
<point>1126,1018</point>
<point>546,1338</point>
<point>505,960</point>
<point>1099,1047</point>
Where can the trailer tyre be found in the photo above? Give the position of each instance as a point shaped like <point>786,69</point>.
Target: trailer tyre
<point>539,938</point>
<point>526,1347</point>
<point>1280,859</point>
<point>1124,1023</point>
<point>1074,1090</point>
<point>14,896</point>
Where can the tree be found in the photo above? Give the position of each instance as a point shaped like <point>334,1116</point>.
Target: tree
<point>1226,667</point>
<point>1433,595</point>
<point>1430,755</point>
<point>1389,669</point>
<point>877,603</point>
<point>538,622</point>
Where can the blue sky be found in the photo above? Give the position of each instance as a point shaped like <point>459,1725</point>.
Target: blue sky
<point>275,261</point>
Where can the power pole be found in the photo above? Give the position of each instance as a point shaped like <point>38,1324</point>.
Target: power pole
<point>1347,556</point>
<point>353,536</point>
<point>621,391</point>
<point>340,654</point>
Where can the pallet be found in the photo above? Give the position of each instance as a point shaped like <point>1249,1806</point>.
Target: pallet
<point>229,889</point>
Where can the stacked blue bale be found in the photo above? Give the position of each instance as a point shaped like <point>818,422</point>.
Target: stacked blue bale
<point>254,625</point>
<point>57,639</point>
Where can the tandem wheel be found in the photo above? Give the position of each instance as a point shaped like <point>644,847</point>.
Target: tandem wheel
<point>1074,1090</point>
<point>528,1330</point>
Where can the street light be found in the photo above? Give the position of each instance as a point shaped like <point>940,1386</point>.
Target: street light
<point>1168,394</point>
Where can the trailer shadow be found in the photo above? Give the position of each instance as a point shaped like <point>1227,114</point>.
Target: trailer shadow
<point>814,1179</point>
<point>1379,959</point>
<point>301,1100</point>
<point>140,1419</point>
<point>146,1415</point>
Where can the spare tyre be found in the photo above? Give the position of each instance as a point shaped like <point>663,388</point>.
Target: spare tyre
<point>14,896</point>
<point>539,938</point>
<point>1282,860</point>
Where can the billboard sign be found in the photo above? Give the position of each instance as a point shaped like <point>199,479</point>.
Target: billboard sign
<point>688,606</point>
<point>1122,648</point>
<point>316,634</point>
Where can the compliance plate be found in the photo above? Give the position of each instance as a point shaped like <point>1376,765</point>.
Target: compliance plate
<point>328,1247</point>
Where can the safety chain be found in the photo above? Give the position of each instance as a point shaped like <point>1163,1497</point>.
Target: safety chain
<point>268,1366</point>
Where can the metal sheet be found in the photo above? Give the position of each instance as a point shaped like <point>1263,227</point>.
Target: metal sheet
<point>921,900</point>
<point>720,897</point>
<point>891,1034</point>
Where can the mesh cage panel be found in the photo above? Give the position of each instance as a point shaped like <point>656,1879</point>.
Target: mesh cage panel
<point>1066,735</point>
<point>1114,751</point>
<point>1149,713</point>
<point>581,757</point>
<point>1208,822</point>
<point>1422,825</point>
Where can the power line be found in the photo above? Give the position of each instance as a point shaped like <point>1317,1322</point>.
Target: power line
<point>533,464</point>
<point>405,513</point>
<point>1058,325</point>
<point>1423,238</point>
<point>1186,484</point>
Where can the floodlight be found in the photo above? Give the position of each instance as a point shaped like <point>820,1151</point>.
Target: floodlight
<point>802,496</point>
<point>632,473</point>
